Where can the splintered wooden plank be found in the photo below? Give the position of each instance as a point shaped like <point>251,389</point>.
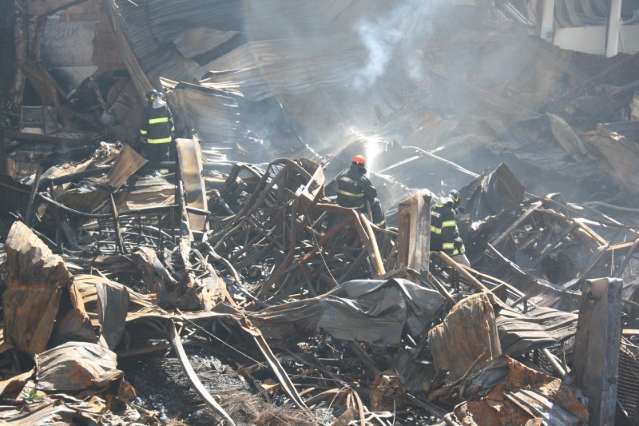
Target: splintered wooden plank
<point>190,162</point>
<point>127,163</point>
<point>414,232</point>
<point>368,239</point>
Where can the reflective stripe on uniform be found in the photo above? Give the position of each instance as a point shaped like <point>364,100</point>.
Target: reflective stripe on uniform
<point>453,253</point>
<point>143,132</point>
<point>449,224</point>
<point>448,246</point>
<point>159,120</point>
<point>435,230</point>
<point>160,140</point>
<point>350,194</point>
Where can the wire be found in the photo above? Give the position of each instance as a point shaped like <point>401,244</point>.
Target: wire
<point>224,343</point>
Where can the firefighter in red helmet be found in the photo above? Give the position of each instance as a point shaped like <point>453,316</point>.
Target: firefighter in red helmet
<point>355,190</point>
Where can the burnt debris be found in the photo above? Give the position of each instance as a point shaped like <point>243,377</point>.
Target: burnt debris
<point>225,284</point>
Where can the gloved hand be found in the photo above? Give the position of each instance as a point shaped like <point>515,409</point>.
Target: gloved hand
<point>459,244</point>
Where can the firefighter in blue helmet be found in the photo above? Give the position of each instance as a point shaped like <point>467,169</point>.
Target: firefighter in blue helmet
<point>158,129</point>
<point>355,191</point>
<point>444,233</point>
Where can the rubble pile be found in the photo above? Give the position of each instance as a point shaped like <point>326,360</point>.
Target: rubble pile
<point>318,315</point>
<point>224,284</point>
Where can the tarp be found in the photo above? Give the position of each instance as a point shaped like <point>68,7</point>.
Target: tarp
<point>372,311</point>
<point>494,192</point>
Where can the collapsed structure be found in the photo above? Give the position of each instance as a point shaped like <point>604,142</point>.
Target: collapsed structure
<point>229,287</point>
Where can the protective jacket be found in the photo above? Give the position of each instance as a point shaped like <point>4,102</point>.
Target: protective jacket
<point>158,127</point>
<point>355,190</point>
<point>444,233</point>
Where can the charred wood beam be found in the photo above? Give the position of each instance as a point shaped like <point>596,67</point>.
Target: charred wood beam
<point>597,347</point>
<point>414,232</point>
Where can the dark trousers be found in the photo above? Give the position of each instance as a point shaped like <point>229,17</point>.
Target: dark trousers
<point>156,154</point>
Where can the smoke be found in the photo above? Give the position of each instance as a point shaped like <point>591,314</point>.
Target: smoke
<point>380,43</point>
<point>395,36</point>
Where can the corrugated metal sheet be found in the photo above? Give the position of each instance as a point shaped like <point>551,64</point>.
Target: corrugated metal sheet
<point>628,383</point>
<point>262,69</point>
<point>541,326</point>
<point>299,59</point>
<point>213,113</point>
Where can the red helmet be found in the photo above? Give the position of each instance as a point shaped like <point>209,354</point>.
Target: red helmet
<point>359,159</point>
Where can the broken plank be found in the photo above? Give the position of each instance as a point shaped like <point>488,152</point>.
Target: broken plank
<point>190,162</point>
<point>367,236</point>
<point>597,344</point>
<point>413,242</point>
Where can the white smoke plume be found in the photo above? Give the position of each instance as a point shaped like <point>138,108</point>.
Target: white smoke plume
<point>395,36</point>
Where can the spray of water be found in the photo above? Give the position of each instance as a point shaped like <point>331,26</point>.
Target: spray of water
<point>373,146</point>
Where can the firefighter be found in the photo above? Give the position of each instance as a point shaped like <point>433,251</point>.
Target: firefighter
<point>157,131</point>
<point>444,233</point>
<point>355,190</point>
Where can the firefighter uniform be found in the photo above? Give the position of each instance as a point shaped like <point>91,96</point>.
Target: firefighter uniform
<point>444,231</point>
<point>355,191</point>
<point>157,130</point>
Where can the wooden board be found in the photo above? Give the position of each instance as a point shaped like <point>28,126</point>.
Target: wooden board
<point>190,164</point>
<point>597,347</point>
<point>127,163</point>
<point>414,232</point>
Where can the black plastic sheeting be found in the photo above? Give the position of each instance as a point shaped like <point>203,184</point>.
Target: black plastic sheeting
<point>372,311</point>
